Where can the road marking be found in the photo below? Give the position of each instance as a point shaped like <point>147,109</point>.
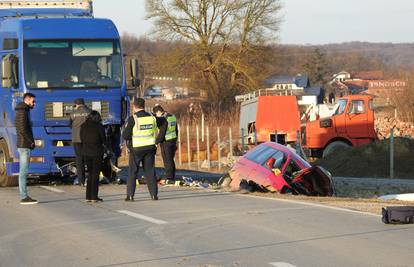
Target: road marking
<point>142,217</point>
<point>281,264</point>
<point>51,189</point>
<point>313,205</point>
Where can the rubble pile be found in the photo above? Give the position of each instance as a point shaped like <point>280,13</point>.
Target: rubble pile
<point>383,125</point>
<point>373,160</point>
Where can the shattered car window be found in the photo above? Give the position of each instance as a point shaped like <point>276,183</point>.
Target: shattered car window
<point>279,160</point>
<point>291,169</point>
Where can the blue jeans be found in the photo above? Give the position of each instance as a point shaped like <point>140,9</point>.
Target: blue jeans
<point>24,160</point>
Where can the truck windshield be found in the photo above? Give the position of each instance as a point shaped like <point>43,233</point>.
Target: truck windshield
<point>341,107</point>
<point>72,64</point>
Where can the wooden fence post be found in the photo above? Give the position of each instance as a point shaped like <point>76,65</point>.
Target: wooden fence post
<point>218,148</point>
<point>188,147</point>
<point>208,147</point>
<point>180,160</point>
<point>198,148</point>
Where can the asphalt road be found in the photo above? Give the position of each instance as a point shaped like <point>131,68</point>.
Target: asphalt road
<point>191,228</point>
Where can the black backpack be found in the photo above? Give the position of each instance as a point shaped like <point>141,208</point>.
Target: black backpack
<point>398,215</point>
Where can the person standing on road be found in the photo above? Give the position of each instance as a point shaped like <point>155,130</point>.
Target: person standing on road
<point>141,135</point>
<point>77,118</point>
<point>92,135</point>
<point>168,132</point>
<point>25,144</point>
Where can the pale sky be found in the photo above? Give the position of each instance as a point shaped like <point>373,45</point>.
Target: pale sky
<point>305,21</point>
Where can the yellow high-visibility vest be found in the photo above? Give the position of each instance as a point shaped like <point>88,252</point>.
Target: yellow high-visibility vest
<point>172,127</point>
<point>144,132</point>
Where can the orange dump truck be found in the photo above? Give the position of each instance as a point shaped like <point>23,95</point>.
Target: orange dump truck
<point>277,119</point>
<point>352,124</point>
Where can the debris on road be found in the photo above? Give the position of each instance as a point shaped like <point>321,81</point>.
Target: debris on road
<point>275,168</point>
<point>372,160</point>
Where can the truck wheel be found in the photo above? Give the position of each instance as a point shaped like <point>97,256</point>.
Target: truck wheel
<point>334,147</point>
<point>4,158</point>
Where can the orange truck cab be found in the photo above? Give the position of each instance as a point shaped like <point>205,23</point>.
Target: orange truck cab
<point>351,125</point>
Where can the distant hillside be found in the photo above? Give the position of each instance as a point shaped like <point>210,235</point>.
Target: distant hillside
<point>289,59</point>
<point>391,54</point>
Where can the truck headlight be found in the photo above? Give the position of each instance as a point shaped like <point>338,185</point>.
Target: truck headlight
<point>39,143</point>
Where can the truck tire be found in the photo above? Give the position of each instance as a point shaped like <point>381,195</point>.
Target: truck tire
<point>334,147</point>
<point>4,158</point>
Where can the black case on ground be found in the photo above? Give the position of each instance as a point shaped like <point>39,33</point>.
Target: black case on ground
<point>398,215</point>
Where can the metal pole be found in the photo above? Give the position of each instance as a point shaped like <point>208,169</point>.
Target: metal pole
<point>188,147</point>
<point>231,143</point>
<point>255,136</point>
<point>298,150</point>
<point>218,148</point>
<point>242,138</point>
<point>198,148</point>
<point>208,147</point>
<point>180,160</point>
<point>392,154</point>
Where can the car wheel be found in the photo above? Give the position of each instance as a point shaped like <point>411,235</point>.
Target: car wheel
<point>4,158</point>
<point>334,147</point>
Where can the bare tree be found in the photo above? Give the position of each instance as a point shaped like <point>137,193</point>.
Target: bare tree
<point>223,37</point>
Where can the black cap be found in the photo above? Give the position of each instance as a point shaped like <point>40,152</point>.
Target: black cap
<point>79,101</point>
<point>139,103</point>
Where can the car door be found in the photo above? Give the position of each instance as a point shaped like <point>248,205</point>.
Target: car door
<point>262,174</point>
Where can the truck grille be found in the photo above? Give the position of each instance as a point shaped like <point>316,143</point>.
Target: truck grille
<point>68,108</point>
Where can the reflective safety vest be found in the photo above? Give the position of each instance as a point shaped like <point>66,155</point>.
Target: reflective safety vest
<point>172,127</point>
<point>144,132</point>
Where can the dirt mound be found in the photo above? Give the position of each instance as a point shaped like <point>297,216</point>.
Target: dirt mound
<point>373,160</point>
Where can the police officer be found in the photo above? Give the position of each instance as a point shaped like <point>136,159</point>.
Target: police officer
<point>77,118</point>
<point>141,135</point>
<point>168,133</point>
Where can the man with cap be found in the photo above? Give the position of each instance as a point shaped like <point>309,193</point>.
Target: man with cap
<point>77,118</point>
<point>141,135</point>
<point>169,133</point>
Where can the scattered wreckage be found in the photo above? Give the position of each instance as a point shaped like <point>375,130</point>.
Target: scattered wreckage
<point>276,168</point>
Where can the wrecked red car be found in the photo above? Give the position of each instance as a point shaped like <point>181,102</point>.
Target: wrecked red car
<point>273,167</point>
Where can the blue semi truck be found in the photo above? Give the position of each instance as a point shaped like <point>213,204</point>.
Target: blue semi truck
<point>59,52</point>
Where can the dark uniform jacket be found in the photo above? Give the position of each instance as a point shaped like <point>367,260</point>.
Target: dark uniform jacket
<point>92,135</point>
<point>163,126</point>
<point>23,125</point>
<point>77,118</point>
<point>127,133</point>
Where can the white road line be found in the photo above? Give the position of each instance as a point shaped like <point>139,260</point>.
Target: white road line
<point>281,264</point>
<point>51,189</point>
<point>313,205</point>
<point>142,217</point>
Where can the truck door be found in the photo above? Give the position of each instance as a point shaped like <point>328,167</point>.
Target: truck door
<point>357,119</point>
<point>339,117</point>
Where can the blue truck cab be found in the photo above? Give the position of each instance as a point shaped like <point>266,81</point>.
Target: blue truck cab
<point>59,52</point>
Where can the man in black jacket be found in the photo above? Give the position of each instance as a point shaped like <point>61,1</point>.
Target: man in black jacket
<point>141,135</point>
<point>25,144</point>
<point>77,118</point>
<point>168,133</point>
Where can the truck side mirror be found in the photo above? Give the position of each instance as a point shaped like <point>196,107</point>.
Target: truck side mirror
<point>135,72</point>
<point>9,71</point>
